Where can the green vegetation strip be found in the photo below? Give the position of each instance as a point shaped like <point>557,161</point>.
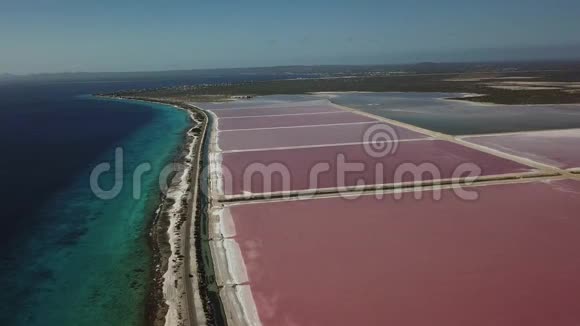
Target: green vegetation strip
<point>472,82</point>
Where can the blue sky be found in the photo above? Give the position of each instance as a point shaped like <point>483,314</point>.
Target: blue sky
<point>116,35</point>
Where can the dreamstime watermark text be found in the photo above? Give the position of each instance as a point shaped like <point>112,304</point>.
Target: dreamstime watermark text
<point>381,165</point>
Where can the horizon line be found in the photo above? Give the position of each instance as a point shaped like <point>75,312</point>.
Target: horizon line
<point>411,63</point>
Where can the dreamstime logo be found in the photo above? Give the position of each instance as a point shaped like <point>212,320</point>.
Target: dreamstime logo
<point>380,140</point>
<point>381,169</point>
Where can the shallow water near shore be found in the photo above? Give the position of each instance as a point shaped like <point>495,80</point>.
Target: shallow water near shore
<point>70,258</point>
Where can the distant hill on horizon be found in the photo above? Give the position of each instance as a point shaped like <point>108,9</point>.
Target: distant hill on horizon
<point>303,71</point>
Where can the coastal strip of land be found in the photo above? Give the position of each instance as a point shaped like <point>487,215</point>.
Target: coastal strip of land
<point>174,297</point>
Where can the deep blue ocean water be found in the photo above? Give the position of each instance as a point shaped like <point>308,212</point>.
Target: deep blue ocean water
<point>68,257</point>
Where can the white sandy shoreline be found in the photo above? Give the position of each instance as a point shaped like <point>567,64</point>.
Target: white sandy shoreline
<point>173,289</point>
<point>180,278</point>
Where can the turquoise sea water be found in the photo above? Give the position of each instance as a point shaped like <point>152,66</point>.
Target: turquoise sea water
<point>66,256</point>
<point>90,263</point>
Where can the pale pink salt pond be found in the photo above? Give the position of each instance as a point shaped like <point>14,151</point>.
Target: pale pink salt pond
<point>508,258</point>
<point>559,148</point>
